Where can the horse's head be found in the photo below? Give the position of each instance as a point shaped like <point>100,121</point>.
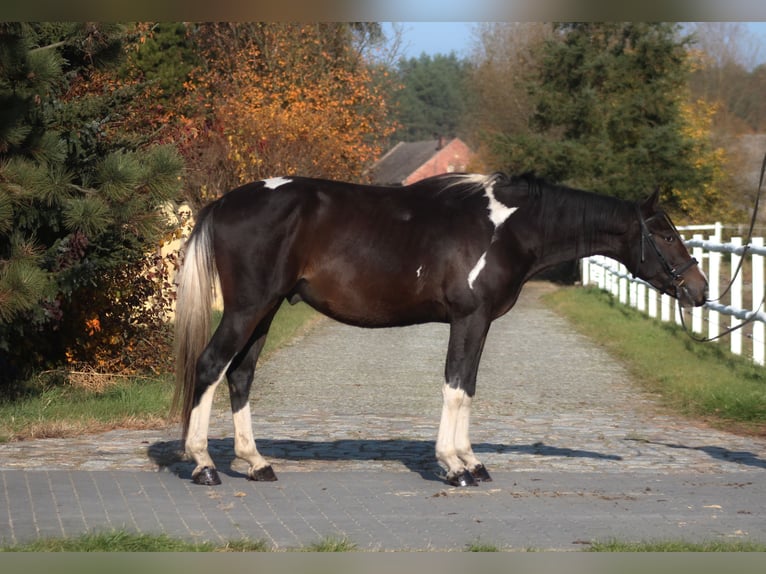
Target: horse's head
<point>663,260</point>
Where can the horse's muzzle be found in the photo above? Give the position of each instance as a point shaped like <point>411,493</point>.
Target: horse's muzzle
<point>691,295</point>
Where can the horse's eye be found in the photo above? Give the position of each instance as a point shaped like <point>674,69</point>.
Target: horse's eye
<point>670,238</point>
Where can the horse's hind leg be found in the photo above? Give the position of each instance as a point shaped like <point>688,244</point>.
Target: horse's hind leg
<point>214,363</point>
<point>240,377</point>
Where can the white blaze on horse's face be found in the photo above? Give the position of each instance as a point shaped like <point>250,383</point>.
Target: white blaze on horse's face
<point>275,182</point>
<point>498,211</point>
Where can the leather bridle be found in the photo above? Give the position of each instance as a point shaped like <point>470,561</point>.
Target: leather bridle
<point>675,275</point>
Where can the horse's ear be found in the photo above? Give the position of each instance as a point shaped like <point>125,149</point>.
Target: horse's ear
<point>650,203</point>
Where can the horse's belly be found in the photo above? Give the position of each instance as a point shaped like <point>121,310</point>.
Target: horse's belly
<point>365,304</point>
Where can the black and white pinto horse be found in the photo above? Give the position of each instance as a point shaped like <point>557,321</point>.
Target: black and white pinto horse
<point>454,248</point>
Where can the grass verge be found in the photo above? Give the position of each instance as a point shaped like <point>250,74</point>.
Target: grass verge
<point>121,541</point>
<point>63,411</point>
<point>701,380</point>
<point>60,410</point>
<point>676,546</point>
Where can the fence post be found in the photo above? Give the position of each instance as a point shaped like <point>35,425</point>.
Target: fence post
<point>758,327</point>
<point>736,298</point>
<point>633,296</point>
<point>610,278</point>
<point>678,311</point>
<point>615,288</point>
<point>652,303</point>
<point>697,311</point>
<point>623,288</point>
<point>602,275</point>
<point>714,285</point>
<point>717,233</point>
<point>665,308</point>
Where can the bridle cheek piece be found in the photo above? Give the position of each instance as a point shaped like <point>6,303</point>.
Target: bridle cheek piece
<point>675,274</point>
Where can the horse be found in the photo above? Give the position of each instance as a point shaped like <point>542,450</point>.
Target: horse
<point>454,248</point>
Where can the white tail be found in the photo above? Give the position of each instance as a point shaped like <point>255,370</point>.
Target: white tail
<point>196,281</point>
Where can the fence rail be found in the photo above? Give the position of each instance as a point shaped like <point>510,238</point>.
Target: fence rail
<point>719,261</point>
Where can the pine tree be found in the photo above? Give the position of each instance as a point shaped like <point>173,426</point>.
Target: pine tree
<point>608,112</point>
<point>434,96</point>
<point>78,203</point>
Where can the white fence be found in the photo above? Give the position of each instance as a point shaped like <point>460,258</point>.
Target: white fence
<point>719,261</point>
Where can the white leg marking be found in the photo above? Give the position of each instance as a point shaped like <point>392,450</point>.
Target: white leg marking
<point>275,182</point>
<point>446,452</point>
<point>477,269</point>
<point>498,211</point>
<point>244,443</point>
<point>199,421</point>
<point>462,442</point>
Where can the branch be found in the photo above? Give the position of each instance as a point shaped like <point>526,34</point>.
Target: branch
<point>48,47</point>
<point>82,189</point>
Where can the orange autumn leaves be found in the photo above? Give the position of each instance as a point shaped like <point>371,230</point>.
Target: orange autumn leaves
<point>294,100</point>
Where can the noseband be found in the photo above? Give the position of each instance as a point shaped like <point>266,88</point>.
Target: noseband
<point>675,274</point>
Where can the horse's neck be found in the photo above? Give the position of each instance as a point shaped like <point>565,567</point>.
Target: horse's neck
<point>599,228</point>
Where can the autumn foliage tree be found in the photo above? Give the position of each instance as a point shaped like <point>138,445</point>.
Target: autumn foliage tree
<point>283,99</point>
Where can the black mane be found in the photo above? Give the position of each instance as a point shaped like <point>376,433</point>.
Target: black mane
<point>577,216</point>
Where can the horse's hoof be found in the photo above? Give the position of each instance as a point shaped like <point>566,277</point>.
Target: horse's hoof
<point>265,474</point>
<point>480,474</point>
<point>207,476</point>
<point>463,479</point>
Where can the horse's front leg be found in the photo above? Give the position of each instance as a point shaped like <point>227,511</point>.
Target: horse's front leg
<point>453,445</point>
<point>463,443</point>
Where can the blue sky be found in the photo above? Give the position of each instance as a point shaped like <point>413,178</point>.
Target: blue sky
<point>444,37</point>
<point>436,38</point>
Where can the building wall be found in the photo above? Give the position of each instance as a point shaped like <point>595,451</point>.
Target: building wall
<point>453,157</point>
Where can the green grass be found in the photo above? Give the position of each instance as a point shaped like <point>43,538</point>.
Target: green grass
<point>700,380</point>
<point>677,546</point>
<point>121,541</point>
<point>61,411</point>
<point>481,547</point>
<point>331,544</point>
<point>55,409</point>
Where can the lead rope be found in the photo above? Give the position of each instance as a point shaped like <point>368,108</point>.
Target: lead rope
<point>752,317</point>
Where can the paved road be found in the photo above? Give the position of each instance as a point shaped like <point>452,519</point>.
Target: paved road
<point>349,417</point>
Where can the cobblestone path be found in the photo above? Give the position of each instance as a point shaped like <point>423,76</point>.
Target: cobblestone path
<point>349,399</point>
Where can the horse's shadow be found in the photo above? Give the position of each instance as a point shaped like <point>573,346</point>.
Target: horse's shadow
<point>416,455</point>
<point>743,457</point>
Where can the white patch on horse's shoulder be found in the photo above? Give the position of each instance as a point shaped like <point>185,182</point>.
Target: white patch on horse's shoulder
<point>498,211</point>
<point>477,269</point>
<point>275,182</point>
